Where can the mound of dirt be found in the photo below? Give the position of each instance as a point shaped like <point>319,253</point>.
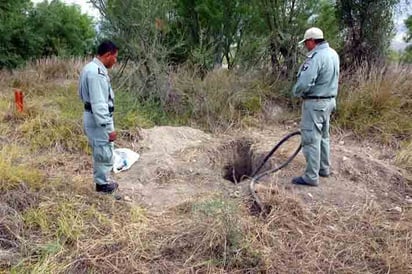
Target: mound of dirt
<point>178,164</point>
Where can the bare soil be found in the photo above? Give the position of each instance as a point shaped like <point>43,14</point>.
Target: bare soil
<point>178,164</point>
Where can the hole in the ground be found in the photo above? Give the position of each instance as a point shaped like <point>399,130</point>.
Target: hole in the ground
<point>241,160</point>
<point>240,163</point>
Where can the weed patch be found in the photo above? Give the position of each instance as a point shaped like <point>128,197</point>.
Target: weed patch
<point>63,220</point>
<point>404,156</point>
<point>377,104</point>
<point>215,232</point>
<point>13,172</point>
<point>46,132</point>
<point>131,112</point>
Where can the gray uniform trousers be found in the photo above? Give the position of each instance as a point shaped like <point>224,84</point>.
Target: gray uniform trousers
<point>101,147</point>
<point>315,136</point>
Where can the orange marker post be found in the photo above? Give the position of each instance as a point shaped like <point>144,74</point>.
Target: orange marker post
<point>18,99</point>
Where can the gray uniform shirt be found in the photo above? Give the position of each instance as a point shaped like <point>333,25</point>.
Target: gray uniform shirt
<point>319,75</point>
<point>95,88</point>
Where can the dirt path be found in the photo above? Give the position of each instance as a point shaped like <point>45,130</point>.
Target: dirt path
<point>178,164</point>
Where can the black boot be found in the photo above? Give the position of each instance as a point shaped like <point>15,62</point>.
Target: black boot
<point>107,188</point>
<point>300,181</point>
<point>323,173</point>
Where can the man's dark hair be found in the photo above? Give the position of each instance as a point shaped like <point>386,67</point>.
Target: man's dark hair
<point>105,47</point>
<point>318,41</point>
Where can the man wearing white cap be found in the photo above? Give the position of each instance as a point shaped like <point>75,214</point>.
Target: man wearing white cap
<point>317,85</point>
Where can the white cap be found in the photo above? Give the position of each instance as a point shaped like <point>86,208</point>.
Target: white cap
<point>312,33</point>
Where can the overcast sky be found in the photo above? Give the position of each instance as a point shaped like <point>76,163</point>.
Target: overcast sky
<point>398,43</point>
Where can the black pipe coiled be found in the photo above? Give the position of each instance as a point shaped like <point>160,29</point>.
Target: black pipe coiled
<point>256,176</point>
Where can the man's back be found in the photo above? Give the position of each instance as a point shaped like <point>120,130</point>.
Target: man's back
<point>319,75</point>
<point>328,76</point>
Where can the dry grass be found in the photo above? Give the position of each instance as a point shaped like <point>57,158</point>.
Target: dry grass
<point>220,100</point>
<point>377,103</point>
<point>404,157</point>
<point>334,240</point>
<point>14,171</point>
<point>51,220</point>
<point>39,71</point>
<point>212,235</point>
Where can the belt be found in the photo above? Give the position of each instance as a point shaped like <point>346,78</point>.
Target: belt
<point>317,97</point>
<point>88,107</point>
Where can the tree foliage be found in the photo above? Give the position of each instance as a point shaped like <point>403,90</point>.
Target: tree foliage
<point>141,29</point>
<point>327,19</point>
<point>17,40</point>
<point>368,28</point>
<point>201,32</point>
<point>211,29</point>
<point>407,55</point>
<point>205,33</point>
<point>47,29</point>
<point>208,33</point>
<point>408,24</point>
<point>284,23</point>
<point>63,30</point>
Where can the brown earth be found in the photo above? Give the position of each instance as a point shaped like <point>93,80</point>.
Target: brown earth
<point>178,164</point>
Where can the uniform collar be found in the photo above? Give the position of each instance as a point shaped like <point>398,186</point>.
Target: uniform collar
<point>322,45</point>
<point>100,64</point>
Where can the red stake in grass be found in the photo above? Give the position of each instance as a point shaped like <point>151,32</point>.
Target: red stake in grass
<point>18,99</point>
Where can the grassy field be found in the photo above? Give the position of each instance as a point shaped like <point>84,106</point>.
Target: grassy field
<point>53,222</point>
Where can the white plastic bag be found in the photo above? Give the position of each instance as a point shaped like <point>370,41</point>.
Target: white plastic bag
<point>123,159</point>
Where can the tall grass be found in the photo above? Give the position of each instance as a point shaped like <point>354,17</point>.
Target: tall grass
<point>377,103</point>
<point>223,99</point>
<point>404,156</point>
<point>373,102</point>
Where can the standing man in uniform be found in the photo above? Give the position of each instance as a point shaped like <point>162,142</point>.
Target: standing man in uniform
<point>317,85</point>
<point>97,95</point>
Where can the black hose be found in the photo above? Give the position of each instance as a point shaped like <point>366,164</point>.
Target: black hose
<point>256,176</point>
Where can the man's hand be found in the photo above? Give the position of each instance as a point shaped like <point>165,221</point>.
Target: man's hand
<point>112,136</point>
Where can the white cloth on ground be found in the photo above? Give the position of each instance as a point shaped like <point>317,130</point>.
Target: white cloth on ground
<point>123,159</point>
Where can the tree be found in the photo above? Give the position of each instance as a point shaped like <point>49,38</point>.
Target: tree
<point>368,29</point>
<point>407,55</point>
<point>408,24</point>
<point>53,28</point>
<point>282,24</point>
<point>137,25</point>
<point>140,29</point>
<point>63,29</point>
<point>210,29</point>
<point>327,20</point>
<point>17,42</point>
<point>200,31</point>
